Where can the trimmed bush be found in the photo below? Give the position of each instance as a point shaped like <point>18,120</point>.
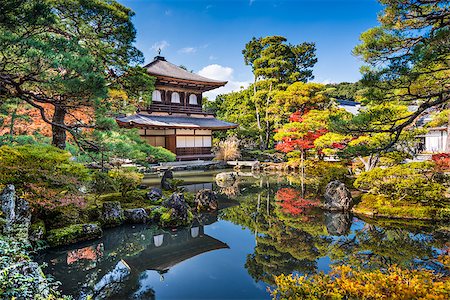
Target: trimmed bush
<point>410,183</point>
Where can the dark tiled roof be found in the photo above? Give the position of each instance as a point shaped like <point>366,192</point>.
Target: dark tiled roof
<point>161,67</point>
<point>175,122</point>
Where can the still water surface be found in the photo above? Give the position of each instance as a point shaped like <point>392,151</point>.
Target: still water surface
<point>234,254</point>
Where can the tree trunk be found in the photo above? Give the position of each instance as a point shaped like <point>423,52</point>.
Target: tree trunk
<point>447,146</point>
<point>371,161</point>
<point>11,125</point>
<point>267,141</point>
<point>59,134</point>
<point>258,117</point>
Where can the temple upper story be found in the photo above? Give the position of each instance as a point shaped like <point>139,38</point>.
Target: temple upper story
<point>176,89</point>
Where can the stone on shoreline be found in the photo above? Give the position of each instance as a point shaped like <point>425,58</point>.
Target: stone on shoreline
<point>154,194</point>
<point>180,213</point>
<point>73,234</point>
<point>136,216</point>
<point>112,214</point>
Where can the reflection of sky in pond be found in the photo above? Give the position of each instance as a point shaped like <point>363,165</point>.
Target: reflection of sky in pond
<point>234,255</point>
<point>215,274</point>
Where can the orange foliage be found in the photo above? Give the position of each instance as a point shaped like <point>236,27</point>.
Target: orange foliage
<point>88,253</point>
<point>35,124</point>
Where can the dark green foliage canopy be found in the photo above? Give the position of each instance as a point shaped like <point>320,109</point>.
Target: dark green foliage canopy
<point>65,54</point>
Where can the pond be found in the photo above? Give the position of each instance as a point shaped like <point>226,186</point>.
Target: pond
<point>265,227</point>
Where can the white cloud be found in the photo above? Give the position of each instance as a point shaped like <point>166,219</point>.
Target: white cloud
<point>212,57</point>
<point>188,50</point>
<point>323,80</point>
<point>160,45</point>
<point>222,73</point>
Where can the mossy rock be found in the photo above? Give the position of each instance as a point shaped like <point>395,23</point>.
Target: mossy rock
<point>37,231</point>
<point>112,214</point>
<point>64,216</point>
<point>73,234</point>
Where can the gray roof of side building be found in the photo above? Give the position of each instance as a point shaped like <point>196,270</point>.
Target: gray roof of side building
<point>143,120</point>
<point>347,102</point>
<point>159,66</point>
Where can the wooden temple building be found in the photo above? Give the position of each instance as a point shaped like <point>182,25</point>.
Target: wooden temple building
<point>175,119</point>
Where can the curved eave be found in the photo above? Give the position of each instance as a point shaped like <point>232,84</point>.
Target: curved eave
<point>132,124</point>
<point>204,85</point>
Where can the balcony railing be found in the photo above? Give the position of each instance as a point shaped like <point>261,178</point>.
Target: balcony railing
<point>155,107</point>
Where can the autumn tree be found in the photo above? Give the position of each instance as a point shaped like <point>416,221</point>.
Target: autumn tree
<point>408,60</point>
<point>347,139</point>
<point>275,65</point>
<point>65,54</point>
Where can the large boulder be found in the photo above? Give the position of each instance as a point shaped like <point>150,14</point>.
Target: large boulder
<point>73,234</point>
<point>8,202</point>
<point>206,200</point>
<point>338,222</point>
<point>179,210</point>
<point>136,216</point>
<point>112,214</point>
<point>154,194</point>
<point>16,211</point>
<point>165,181</point>
<point>337,197</point>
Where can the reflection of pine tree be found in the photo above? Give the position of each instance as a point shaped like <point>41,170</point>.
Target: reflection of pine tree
<point>268,261</point>
<point>374,247</point>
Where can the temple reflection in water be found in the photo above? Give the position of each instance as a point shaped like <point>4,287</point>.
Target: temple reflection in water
<point>125,256</point>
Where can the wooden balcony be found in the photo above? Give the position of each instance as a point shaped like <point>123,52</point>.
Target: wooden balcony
<point>157,107</point>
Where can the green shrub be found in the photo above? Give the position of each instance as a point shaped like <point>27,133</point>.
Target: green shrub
<point>17,280</point>
<point>319,173</point>
<point>125,180</point>
<point>412,182</point>
<point>45,174</point>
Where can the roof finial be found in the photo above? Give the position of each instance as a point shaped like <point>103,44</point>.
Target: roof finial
<point>159,51</point>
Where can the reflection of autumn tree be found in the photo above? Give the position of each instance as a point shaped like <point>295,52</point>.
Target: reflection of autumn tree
<point>282,245</point>
<point>291,234</point>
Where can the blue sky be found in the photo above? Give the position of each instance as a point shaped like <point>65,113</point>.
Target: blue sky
<point>208,36</point>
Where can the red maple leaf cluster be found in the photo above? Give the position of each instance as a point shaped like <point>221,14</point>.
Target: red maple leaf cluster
<point>442,161</point>
<point>306,142</point>
<point>291,202</point>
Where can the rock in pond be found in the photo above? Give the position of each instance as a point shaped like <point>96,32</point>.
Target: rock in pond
<point>206,200</point>
<point>136,216</point>
<point>180,213</point>
<point>112,214</point>
<point>337,197</point>
<point>73,234</point>
<point>154,194</point>
<point>165,183</point>
<point>226,179</point>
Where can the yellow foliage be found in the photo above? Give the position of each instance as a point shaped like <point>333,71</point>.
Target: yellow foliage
<point>345,282</point>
